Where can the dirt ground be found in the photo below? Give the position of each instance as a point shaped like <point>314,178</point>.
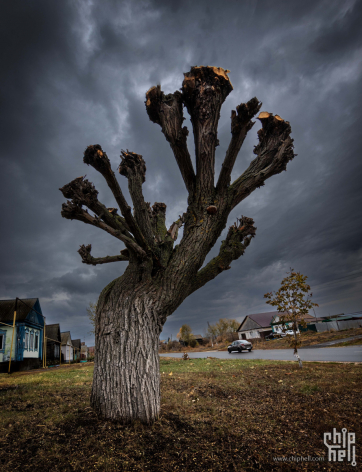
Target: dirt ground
<point>216,415</point>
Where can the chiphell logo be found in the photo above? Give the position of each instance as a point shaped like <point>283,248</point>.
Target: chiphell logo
<point>341,446</point>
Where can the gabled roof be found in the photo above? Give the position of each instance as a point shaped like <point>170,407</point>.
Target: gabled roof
<point>53,332</point>
<point>65,337</point>
<point>77,343</point>
<point>261,319</point>
<point>7,308</point>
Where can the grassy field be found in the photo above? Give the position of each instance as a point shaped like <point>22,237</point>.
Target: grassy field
<point>217,415</point>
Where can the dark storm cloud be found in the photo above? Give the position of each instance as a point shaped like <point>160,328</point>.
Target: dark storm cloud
<point>75,73</point>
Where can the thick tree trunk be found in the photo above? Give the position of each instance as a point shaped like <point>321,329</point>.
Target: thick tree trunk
<point>126,381</point>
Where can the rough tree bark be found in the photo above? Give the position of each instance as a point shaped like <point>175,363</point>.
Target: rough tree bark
<point>132,310</point>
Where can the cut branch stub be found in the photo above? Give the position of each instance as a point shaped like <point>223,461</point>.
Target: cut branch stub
<point>97,158</point>
<point>240,125</point>
<point>274,151</point>
<point>132,165</point>
<point>166,111</point>
<point>87,258</point>
<point>81,191</point>
<point>173,230</point>
<point>212,209</point>
<point>244,114</point>
<point>204,90</point>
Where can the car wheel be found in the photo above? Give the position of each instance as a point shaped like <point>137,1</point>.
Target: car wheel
<point>229,351</point>
<point>250,349</point>
<point>239,350</point>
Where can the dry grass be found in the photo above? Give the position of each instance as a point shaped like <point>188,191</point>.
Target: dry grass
<point>217,415</point>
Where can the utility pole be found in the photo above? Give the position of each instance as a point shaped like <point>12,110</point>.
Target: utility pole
<point>212,341</point>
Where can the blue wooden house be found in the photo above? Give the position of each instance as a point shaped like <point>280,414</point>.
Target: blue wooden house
<point>27,349</point>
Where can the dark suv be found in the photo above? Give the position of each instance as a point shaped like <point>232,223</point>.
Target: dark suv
<point>240,345</point>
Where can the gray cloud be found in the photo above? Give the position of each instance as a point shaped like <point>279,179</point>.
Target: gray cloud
<point>75,73</point>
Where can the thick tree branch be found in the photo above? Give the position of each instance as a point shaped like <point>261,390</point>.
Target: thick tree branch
<point>204,90</point>
<point>274,151</point>
<point>237,240</point>
<point>74,211</point>
<point>173,230</point>
<point>83,192</point>
<point>85,254</point>
<point>166,110</point>
<point>98,159</point>
<point>134,168</point>
<point>240,125</point>
<point>159,221</point>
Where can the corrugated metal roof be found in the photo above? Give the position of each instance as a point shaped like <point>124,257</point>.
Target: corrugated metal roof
<point>7,308</point>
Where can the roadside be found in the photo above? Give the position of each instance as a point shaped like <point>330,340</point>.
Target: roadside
<point>309,338</point>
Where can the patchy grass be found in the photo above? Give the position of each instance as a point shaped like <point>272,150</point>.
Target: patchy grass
<point>217,415</point>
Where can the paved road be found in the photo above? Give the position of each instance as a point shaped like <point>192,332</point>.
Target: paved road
<point>340,354</point>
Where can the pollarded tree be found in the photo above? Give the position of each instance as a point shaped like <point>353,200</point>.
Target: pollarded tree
<point>132,309</point>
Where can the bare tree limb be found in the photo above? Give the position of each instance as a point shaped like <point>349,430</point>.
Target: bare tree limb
<point>74,211</point>
<point>204,90</point>
<point>166,110</point>
<point>98,159</point>
<point>240,125</point>
<point>85,253</point>
<point>134,168</point>
<point>237,240</point>
<point>83,192</point>
<point>274,151</point>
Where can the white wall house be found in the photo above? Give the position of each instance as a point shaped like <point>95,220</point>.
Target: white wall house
<point>67,346</point>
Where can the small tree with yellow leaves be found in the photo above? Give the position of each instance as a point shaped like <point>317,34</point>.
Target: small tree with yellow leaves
<point>294,300</point>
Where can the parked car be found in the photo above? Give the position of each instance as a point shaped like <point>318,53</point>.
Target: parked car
<point>240,345</point>
<point>290,332</point>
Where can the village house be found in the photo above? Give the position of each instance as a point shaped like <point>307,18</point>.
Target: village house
<point>257,325</point>
<point>53,340</point>
<point>84,351</point>
<point>77,349</point>
<point>27,339</point>
<point>279,328</point>
<point>67,347</point>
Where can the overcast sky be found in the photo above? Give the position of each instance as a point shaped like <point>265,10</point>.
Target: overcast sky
<point>75,73</point>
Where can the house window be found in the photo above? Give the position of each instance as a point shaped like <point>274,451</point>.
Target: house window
<point>31,341</point>
<point>26,340</point>
<point>2,342</point>
<point>36,342</point>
